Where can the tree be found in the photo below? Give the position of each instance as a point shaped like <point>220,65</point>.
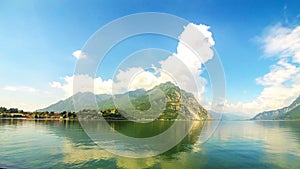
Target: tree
<point>3,110</point>
<point>13,110</point>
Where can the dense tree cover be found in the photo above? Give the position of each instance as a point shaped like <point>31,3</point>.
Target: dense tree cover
<point>10,110</point>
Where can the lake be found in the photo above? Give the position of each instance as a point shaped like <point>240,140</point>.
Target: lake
<point>235,144</point>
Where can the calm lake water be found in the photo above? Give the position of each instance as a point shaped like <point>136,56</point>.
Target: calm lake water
<point>235,144</point>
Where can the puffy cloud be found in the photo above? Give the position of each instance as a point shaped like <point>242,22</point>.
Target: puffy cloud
<point>67,87</point>
<point>131,79</point>
<point>20,89</point>
<point>123,78</point>
<point>194,46</point>
<point>84,83</point>
<point>78,54</point>
<point>183,67</point>
<point>102,86</point>
<point>194,49</point>
<point>138,78</point>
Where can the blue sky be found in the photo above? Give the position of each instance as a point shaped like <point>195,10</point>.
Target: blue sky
<point>39,37</point>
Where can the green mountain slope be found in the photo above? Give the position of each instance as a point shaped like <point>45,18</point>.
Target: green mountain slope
<point>85,101</point>
<point>292,112</point>
<point>165,101</point>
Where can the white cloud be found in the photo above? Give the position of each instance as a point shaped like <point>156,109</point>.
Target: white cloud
<point>20,89</point>
<point>281,72</point>
<point>248,108</point>
<point>84,83</point>
<point>131,79</point>
<point>103,86</point>
<point>183,67</point>
<point>137,78</point>
<point>124,77</point>
<point>78,54</point>
<point>283,41</point>
<point>195,44</point>
<point>282,83</point>
<point>194,49</point>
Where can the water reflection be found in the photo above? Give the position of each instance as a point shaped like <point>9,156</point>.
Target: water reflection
<point>276,143</point>
<point>78,155</point>
<point>64,144</point>
<point>132,139</point>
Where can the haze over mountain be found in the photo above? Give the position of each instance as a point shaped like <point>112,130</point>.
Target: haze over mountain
<point>228,116</point>
<point>165,100</point>
<point>291,112</point>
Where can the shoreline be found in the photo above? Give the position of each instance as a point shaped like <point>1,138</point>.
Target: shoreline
<point>143,120</point>
<point>37,119</point>
<point>64,119</point>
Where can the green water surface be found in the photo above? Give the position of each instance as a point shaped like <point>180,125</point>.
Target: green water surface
<point>235,144</point>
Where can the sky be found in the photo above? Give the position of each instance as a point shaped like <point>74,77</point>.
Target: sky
<point>256,41</point>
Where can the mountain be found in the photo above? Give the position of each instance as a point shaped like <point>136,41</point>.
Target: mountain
<point>233,116</point>
<point>291,112</point>
<point>227,116</point>
<point>84,99</point>
<point>165,101</point>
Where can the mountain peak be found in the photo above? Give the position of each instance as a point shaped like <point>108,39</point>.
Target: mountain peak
<point>177,103</point>
<point>167,84</point>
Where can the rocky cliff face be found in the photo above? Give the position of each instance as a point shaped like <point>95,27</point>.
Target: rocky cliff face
<point>181,103</point>
<point>191,108</point>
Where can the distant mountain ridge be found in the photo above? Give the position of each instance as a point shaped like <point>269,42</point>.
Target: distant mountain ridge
<point>178,103</point>
<point>291,112</point>
<point>227,116</point>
